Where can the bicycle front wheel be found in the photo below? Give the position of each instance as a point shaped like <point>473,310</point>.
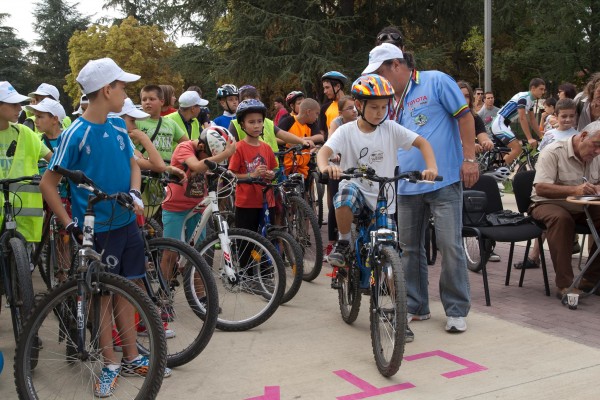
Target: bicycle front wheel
<point>303,226</point>
<point>22,301</point>
<point>388,311</point>
<point>69,368</point>
<point>255,293</point>
<point>348,279</point>
<point>291,254</point>
<point>190,323</point>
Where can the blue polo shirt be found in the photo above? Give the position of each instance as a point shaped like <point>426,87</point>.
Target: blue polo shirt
<point>224,120</point>
<point>431,107</point>
<point>103,152</point>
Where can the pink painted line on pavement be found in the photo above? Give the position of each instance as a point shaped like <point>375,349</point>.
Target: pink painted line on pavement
<point>368,390</point>
<point>470,367</point>
<point>271,393</point>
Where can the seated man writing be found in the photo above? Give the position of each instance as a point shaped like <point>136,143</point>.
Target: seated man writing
<point>568,168</point>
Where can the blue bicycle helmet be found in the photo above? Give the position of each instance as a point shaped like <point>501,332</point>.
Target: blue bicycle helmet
<point>335,76</point>
<point>250,105</point>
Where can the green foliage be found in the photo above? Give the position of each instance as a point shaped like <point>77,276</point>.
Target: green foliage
<point>142,50</point>
<point>55,23</point>
<point>474,46</point>
<point>12,61</point>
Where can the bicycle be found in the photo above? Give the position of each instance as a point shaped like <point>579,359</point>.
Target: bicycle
<point>315,190</point>
<point>299,216</point>
<point>64,317</point>
<point>248,269</point>
<point>375,267</point>
<point>290,251</point>
<point>14,261</point>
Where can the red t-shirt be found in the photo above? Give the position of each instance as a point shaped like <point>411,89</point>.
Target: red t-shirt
<point>187,196</point>
<point>168,111</point>
<point>281,113</point>
<point>245,160</point>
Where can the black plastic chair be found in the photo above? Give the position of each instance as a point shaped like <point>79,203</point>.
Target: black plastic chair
<point>506,234</point>
<point>522,185</point>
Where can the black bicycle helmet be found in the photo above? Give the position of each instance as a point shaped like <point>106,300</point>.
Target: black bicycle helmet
<point>250,105</point>
<point>292,96</point>
<point>227,90</point>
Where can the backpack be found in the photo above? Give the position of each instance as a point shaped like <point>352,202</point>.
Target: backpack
<point>474,205</point>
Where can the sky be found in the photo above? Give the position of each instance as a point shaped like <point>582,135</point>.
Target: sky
<point>22,19</point>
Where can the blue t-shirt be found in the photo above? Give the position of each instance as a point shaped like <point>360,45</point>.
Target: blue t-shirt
<point>103,152</point>
<point>432,106</point>
<point>224,120</point>
<point>52,144</point>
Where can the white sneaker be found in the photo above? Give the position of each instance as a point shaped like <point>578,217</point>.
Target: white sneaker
<point>456,324</point>
<point>494,257</point>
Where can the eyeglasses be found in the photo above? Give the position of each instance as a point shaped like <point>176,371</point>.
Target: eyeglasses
<point>390,37</point>
<point>478,93</point>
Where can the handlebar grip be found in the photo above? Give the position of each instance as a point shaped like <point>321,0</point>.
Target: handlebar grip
<point>77,177</point>
<point>125,200</point>
<point>439,178</point>
<point>324,178</point>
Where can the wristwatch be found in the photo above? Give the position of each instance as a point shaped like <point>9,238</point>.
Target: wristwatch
<point>471,160</point>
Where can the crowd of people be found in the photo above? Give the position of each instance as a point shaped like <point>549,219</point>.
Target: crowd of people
<point>395,117</point>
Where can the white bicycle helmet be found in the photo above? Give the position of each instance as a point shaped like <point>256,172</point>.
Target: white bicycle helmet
<point>214,140</point>
<point>500,174</point>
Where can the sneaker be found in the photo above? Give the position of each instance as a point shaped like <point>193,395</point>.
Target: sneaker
<point>494,257</point>
<point>529,264</point>
<point>139,367</point>
<point>456,324</point>
<point>169,333</point>
<point>327,252</point>
<point>337,258</point>
<point>409,335</point>
<point>107,382</point>
<point>416,317</point>
<point>576,248</point>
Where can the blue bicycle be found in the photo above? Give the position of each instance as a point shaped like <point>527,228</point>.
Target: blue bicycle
<point>374,267</point>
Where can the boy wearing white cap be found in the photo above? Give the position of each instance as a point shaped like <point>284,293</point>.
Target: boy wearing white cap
<point>44,91</point>
<point>99,146</point>
<point>190,105</point>
<point>20,151</point>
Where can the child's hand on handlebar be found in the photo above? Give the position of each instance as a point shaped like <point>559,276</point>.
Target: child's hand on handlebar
<point>429,174</point>
<point>333,171</point>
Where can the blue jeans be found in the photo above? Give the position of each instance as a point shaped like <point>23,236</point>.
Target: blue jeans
<point>413,213</point>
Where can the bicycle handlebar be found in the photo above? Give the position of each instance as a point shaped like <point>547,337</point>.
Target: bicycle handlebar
<point>163,177</point>
<point>35,180</point>
<point>369,173</point>
<point>297,148</point>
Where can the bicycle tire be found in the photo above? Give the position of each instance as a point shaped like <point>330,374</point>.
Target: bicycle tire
<point>244,305</point>
<point>153,228</point>
<point>315,196</point>
<point>472,254</point>
<point>43,323</point>
<point>349,296</point>
<point>309,239</point>
<point>528,165</point>
<point>23,299</point>
<point>193,329</point>
<point>388,311</point>
<point>39,257</point>
<point>291,254</point>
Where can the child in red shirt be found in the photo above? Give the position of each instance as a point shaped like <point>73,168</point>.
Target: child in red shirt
<point>252,159</point>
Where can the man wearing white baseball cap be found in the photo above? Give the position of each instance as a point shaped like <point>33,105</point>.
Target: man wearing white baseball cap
<point>100,147</point>
<point>431,104</point>
<point>20,150</point>
<point>190,105</point>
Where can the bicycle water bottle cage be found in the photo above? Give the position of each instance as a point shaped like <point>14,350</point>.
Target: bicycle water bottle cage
<point>384,236</point>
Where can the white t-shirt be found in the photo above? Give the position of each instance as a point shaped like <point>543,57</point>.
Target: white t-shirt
<point>376,150</point>
<point>555,135</point>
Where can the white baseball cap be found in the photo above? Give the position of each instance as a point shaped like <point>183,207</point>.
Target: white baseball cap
<point>98,73</point>
<point>8,94</point>
<point>380,54</point>
<point>46,89</point>
<point>191,98</point>
<point>130,109</point>
<point>50,106</point>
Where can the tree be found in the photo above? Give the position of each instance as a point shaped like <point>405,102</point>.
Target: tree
<point>142,50</point>
<point>12,61</point>
<point>474,45</point>
<point>55,23</point>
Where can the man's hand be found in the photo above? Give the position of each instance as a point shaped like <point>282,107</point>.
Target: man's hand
<point>533,143</point>
<point>487,145</point>
<point>585,189</point>
<point>469,173</point>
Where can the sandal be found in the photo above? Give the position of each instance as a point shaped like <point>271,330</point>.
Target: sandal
<point>529,264</point>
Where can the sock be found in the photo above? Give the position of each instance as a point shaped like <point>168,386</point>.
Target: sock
<point>113,367</point>
<point>345,236</point>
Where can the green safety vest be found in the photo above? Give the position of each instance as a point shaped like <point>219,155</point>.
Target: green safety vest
<point>26,199</point>
<point>268,133</point>
<point>195,134</point>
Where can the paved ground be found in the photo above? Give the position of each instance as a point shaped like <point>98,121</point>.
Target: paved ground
<point>526,345</point>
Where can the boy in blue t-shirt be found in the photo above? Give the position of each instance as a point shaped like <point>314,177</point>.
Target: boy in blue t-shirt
<point>228,97</point>
<point>99,146</point>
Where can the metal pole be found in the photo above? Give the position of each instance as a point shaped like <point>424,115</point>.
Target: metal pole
<point>487,37</point>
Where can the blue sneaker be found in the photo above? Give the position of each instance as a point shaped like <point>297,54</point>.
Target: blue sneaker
<point>139,367</point>
<point>107,382</point>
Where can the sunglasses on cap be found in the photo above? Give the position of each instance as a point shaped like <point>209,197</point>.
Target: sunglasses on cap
<point>390,38</point>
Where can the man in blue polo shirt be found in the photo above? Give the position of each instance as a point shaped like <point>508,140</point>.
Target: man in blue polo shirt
<point>431,104</point>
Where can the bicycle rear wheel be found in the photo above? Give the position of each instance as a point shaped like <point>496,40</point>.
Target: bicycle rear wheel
<point>66,371</point>
<point>291,254</point>
<point>303,226</point>
<point>22,301</point>
<point>388,311</point>
<point>192,328</point>
<point>256,294</point>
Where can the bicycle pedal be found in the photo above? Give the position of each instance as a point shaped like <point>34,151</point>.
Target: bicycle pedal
<point>335,284</point>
